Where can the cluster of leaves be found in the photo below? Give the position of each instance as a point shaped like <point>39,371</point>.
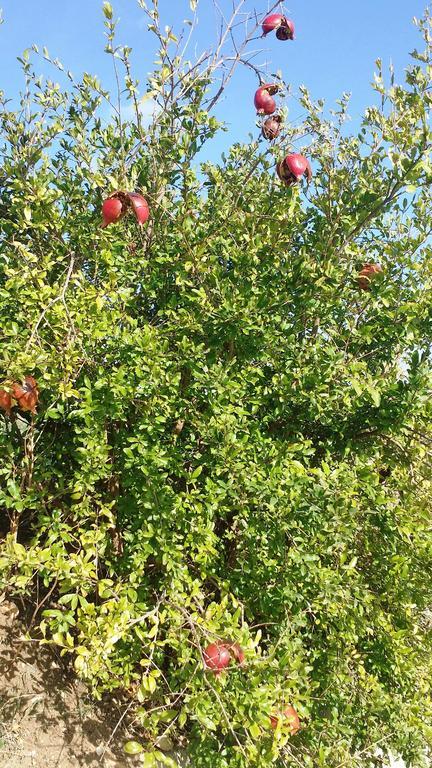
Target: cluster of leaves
<point>231,441</point>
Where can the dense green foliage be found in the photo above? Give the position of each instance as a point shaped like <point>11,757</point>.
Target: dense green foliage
<point>232,440</point>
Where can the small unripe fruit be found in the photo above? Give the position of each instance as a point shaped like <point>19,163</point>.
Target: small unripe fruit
<point>366,275</point>
<point>289,715</point>
<point>277,22</point>
<point>291,169</point>
<point>272,127</point>
<point>216,657</point>
<point>112,210</point>
<point>264,101</point>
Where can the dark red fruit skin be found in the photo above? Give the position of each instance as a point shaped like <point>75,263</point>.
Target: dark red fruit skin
<point>5,401</point>
<point>216,657</point>
<point>272,22</point>
<point>140,207</point>
<point>366,275</point>
<point>264,101</point>
<point>286,30</point>
<point>26,394</point>
<point>290,714</point>
<point>291,169</point>
<point>112,210</point>
<point>272,127</point>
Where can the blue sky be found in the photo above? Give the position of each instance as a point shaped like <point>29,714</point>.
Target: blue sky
<point>335,48</point>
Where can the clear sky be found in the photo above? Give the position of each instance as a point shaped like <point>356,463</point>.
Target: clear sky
<point>336,45</point>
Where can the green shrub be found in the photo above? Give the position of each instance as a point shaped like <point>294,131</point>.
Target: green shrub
<point>232,440</point>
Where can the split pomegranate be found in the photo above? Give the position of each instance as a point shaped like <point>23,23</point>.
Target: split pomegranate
<point>5,401</point>
<point>272,22</point>
<point>217,657</point>
<point>238,653</point>
<point>272,127</point>
<point>290,715</point>
<point>366,275</point>
<point>140,207</point>
<point>286,30</point>
<point>264,101</point>
<point>277,22</point>
<point>111,211</point>
<point>116,206</point>
<point>292,168</point>
<point>26,394</point>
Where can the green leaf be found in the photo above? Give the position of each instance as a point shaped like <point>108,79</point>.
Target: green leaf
<point>107,10</point>
<point>133,748</point>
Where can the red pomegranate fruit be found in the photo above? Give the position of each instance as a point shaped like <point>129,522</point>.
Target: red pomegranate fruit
<point>366,275</point>
<point>264,101</point>
<point>272,23</point>
<point>272,127</point>
<point>26,394</point>
<point>216,657</point>
<point>116,206</point>
<point>140,207</point>
<point>291,169</point>
<point>277,22</point>
<point>5,401</point>
<point>289,715</point>
<point>112,210</point>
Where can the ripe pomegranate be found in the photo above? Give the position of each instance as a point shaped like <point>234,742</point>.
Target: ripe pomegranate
<point>284,27</point>
<point>5,401</point>
<point>366,275</point>
<point>290,715</point>
<point>238,653</point>
<point>26,394</point>
<point>264,101</point>
<point>271,127</point>
<point>140,207</point>
<point>217,657</point>
<point>116,206</point>
<point>292,168</point>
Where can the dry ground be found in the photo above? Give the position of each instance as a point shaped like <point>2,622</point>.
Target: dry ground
<point>46,717</point>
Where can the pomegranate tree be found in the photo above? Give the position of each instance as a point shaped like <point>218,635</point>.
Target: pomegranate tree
<point>221,397</point>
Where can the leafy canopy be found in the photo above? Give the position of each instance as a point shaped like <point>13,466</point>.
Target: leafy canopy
<point>232,440</point>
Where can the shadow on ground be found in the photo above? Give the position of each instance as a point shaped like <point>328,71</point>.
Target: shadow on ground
<point>47,719</point>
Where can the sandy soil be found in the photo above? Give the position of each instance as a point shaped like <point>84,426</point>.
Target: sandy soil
<point>46,717</point>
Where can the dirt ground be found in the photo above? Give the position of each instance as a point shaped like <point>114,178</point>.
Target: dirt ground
<point>46,717</point>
